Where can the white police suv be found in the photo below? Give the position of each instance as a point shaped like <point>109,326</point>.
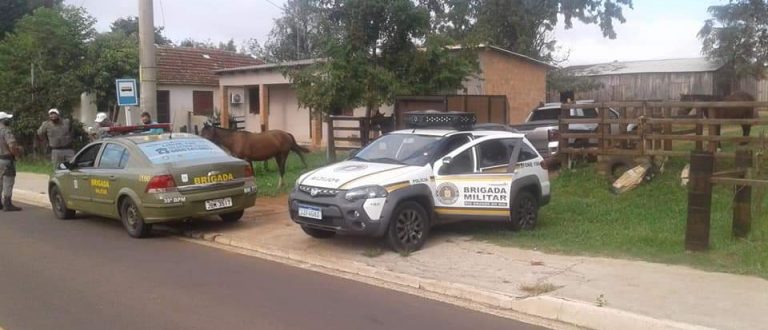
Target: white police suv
<point>403,183</point>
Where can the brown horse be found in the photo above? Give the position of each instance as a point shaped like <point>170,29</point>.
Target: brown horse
<point>252,147</point>
<point>737,113</point>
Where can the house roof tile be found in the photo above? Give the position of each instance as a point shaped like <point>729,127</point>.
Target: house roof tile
<point>196,66</point>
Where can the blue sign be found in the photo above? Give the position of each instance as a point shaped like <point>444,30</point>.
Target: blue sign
<point>126,92</point>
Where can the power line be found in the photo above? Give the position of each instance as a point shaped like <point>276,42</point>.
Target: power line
<point>162,12</point>
<point>272,3</point>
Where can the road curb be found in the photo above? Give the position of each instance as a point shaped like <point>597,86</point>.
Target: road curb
<point>577,313</point>
<point>564,310</point>
<point>31,197</point>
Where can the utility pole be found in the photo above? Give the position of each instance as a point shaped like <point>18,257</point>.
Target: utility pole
<point>147,59</point>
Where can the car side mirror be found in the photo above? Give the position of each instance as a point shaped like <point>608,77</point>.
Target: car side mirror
<point>447,160</point>
<point>65,166</point>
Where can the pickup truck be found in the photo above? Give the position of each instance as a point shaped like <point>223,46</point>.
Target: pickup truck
<point>541,127</point>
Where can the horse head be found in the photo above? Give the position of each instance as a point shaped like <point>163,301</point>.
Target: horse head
<point>208,131</point>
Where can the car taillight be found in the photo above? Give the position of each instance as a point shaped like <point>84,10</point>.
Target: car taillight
<point>248,171</point>
<point>553,135</point>
<point>161,184</point>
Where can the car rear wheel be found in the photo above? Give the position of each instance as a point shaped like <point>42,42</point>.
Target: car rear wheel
<point>318,233</point>
<point>408,228</point>
<point>59,205</point>
<point>232,216</point>
<point>133,221</point>
<point>525,211</point>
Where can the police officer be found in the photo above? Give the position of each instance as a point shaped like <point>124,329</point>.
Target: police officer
<point>103,124</point>
<point>8,152</point>
<point>58,131</point>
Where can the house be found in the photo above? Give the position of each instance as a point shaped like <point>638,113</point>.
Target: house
<point>656,80</point>
<point>268,100</point>
<point>187,86</point>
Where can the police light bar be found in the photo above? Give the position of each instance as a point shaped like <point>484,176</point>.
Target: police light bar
<point>435,119</point>
<point>117,130</point>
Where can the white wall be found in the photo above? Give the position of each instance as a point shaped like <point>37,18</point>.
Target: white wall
<point>180,98</point>
<point>86,110</point>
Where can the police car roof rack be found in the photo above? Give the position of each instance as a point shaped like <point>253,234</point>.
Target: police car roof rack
<point>439,119</point>
<point>139,129</point>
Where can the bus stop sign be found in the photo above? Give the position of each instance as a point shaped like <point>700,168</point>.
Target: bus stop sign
<point>126,92</point>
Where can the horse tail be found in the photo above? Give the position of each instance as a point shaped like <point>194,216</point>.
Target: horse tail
<point>299,150</point>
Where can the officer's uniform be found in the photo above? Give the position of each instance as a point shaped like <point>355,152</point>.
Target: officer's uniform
<point>7,164</point>
<point>59,139</point>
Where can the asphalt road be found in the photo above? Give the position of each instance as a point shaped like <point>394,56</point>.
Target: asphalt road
<point>88,274</point>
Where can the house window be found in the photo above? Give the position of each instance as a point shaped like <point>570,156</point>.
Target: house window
<point>202,103</point>
<point>254,103</point>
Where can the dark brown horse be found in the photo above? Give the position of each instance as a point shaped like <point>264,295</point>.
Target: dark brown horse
<point>252,147</point>
<point>737,113</point>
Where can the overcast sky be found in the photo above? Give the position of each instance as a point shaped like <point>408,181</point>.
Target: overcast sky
<point>655,29</point>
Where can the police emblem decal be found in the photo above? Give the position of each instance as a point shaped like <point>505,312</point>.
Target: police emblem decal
<point>447,193</point>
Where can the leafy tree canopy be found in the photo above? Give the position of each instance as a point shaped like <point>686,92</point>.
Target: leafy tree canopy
<point>523,26</point>
<point>130,27</point>
<point>41,65</point>
<point>13,10</point>
<point>192,43</point>
<point>374,51</point>
<point>737,34</point>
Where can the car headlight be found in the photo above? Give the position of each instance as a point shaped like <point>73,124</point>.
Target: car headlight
<point>365,193</point>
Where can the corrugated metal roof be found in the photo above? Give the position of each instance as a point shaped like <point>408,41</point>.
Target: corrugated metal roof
<point>699,64</point>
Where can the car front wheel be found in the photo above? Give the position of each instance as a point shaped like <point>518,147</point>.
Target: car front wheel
<point>133,221</point>
<point>408,228</point>
<point>59,205</point>
<point>525,211</point>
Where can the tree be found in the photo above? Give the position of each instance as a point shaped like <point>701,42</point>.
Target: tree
<point>192,43</point>
<point>110,55</point>
<point>13,10</point>
<point>523,26</point>
<point>130,27</point>
<point>378,50</point>
<point>737,34</point>
<point>41,65</point>
<point>299,33</point>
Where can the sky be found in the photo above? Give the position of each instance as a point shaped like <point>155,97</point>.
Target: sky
<point>655,29</point>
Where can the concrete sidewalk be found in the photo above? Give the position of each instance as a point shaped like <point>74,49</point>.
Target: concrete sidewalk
<point>587,292</point>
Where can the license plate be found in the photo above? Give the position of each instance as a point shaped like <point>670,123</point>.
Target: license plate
<point>310,212</point>
<point>216,204</point>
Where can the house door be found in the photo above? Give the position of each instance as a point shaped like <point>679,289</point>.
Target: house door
<point>163,107</point>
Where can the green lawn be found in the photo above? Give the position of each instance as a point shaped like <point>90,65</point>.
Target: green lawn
<point>648,223</point>
<point>34,165</point>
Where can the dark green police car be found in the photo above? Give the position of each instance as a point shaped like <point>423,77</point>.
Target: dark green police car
<point>150,178</point>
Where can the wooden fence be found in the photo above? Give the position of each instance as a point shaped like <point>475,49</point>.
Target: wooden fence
<point>658,127</point>
<point>363,126</point>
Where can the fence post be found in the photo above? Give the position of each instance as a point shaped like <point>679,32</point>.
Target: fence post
<point>742,198</point>
<point>699,131</point>
<point>699,201</point>
<point>667,114</point>
<point>565,157</point>
<point>712,130</point>
<point>331,142</point>
<point>365,132</point>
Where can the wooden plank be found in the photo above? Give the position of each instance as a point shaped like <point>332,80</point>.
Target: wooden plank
<point>623,137</point>
<point>697,121</point>
<point>742,182</point>
<point>682,153</point>
<point>331,140</point>
<point>355,129</point>
<point>347,139</point>
<point>707,138</point>
<point>699,201</point>
<point>581,135</point>
<point>742,199</point>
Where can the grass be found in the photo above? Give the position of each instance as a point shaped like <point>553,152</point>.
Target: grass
<point>267,180</point>
<point>647,223</point>
<point>538,288</point>
<point>35,165</point>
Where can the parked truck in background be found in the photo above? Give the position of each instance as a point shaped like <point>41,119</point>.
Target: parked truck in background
<point>541,127</point>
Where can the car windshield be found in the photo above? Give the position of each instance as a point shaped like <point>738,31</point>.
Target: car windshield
<point>166,151</point>
<point>406,149</point>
